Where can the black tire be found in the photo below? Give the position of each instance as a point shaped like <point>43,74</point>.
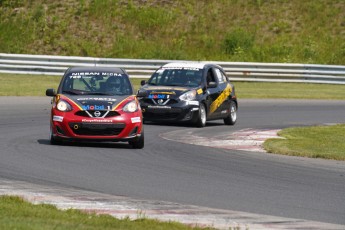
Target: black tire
<point>202,116</point>
<point>53,140</point>
<point>138,143</point>
<point>232,117</point>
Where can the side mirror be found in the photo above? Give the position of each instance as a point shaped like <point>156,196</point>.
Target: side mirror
<point>143,82</point>
<point>142,93</point>
<point>212,84</point>
<point>50,92</point>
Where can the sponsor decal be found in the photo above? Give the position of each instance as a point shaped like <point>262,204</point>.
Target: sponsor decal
<point>199,91</point>
<point>167,89</point>
<point>180,68</point>
<point>135,119</point>
<point>95,99</point>
<point>79,75</point>
<point>193,103</point>
<point>169,93</point>
<point>221,98</point>
<point>96,120</point>
<point>158,107</point>
<point>93,107</point>
<point>158,96</point>
<point>58,118</point>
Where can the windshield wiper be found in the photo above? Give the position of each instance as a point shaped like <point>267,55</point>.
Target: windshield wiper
<point>70,92</point>
<point>98,93</point>
<point>174,85</point>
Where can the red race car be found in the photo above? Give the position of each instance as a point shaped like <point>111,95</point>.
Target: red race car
<point>95,104</point>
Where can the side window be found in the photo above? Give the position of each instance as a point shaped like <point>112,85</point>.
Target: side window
<point>155,78</point>
<point>225,77</point>
<point>220,76</point>
<point>210,76</point>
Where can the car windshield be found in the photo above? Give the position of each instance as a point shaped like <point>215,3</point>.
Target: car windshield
<point>97,83</point>
<point>191,77</point>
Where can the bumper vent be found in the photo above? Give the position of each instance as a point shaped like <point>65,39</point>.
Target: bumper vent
<point>96,129</point>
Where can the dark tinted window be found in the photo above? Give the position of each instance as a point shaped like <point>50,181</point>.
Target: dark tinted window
<point>177,77</point>
<point>106,83</point>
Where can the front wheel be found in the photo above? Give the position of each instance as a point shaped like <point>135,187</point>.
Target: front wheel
<point>201,120</point>
<point>232,117</point>
<point>138,143</point>
<point>53,140</point>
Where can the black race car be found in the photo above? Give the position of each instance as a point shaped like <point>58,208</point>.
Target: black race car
<point>189,91</point>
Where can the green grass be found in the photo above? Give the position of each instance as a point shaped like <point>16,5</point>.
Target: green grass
<point>289,90</point>
<point>316,142</point>
<point>309,31</point>
<point>35,85</point>
<point>18,214</point>
<point>27,85</point>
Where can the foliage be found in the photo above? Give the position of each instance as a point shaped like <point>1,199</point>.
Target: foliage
<point>310,31</point>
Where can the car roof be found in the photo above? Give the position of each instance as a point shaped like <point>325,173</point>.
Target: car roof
<point>196,65</point>
<point>95,69</point>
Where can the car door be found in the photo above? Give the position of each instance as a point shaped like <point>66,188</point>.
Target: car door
<point>221,104</point>
<point>213,92</point>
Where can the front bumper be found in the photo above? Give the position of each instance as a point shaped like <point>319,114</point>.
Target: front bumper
<point>67,126</point>
<point>181,111</point>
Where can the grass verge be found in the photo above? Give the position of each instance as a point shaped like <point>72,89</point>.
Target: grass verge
<point>35,85</point>
<point>316,142</point>
<point>15,213</point>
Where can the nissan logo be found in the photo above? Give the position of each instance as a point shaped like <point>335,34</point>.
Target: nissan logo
<point>97,113</point>
<point>160,101</point>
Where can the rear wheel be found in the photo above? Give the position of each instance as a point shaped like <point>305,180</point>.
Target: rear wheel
<point>201,120</point>
<point>138,143</point>
<point>232,117</point>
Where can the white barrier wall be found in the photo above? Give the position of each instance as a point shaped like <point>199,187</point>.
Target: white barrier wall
<point>142,68</point>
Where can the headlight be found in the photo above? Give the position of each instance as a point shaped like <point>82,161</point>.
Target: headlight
<point>190,95</point>
<point>131,107</point>
<point>63,106</point>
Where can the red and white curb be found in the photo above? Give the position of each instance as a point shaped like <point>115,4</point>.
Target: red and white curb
<point>246,139</point>
<point>124,207</point>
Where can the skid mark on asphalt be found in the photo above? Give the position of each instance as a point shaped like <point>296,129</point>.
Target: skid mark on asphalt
<point>246,139</point>
<point>122,207</point>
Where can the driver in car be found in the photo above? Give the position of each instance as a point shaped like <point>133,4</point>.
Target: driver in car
<point>113,85</point>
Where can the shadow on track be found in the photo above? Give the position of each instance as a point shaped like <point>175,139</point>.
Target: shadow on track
<point>117,145</point>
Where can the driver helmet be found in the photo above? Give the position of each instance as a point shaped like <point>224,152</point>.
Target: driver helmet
<point>113,84</point>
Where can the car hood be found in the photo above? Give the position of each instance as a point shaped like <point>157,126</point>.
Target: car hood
<point>96,102</point>
<point>173,91</point>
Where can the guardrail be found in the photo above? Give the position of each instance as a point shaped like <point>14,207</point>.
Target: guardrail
<point>142,68</point>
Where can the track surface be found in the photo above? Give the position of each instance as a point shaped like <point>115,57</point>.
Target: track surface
<point>166,170</point>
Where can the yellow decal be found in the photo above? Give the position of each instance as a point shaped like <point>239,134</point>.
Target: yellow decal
<point>70,101</point>
<point>199,91</point>
<point>221,98</point>
<point>123,101</point>
<point>170,93</point>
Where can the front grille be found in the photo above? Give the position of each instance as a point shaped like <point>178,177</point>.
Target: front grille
<point>96,129</point>
<point>83,113</point>
<point>155,101</point>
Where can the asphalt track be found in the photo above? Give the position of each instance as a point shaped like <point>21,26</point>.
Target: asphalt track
<point>166,170</point>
